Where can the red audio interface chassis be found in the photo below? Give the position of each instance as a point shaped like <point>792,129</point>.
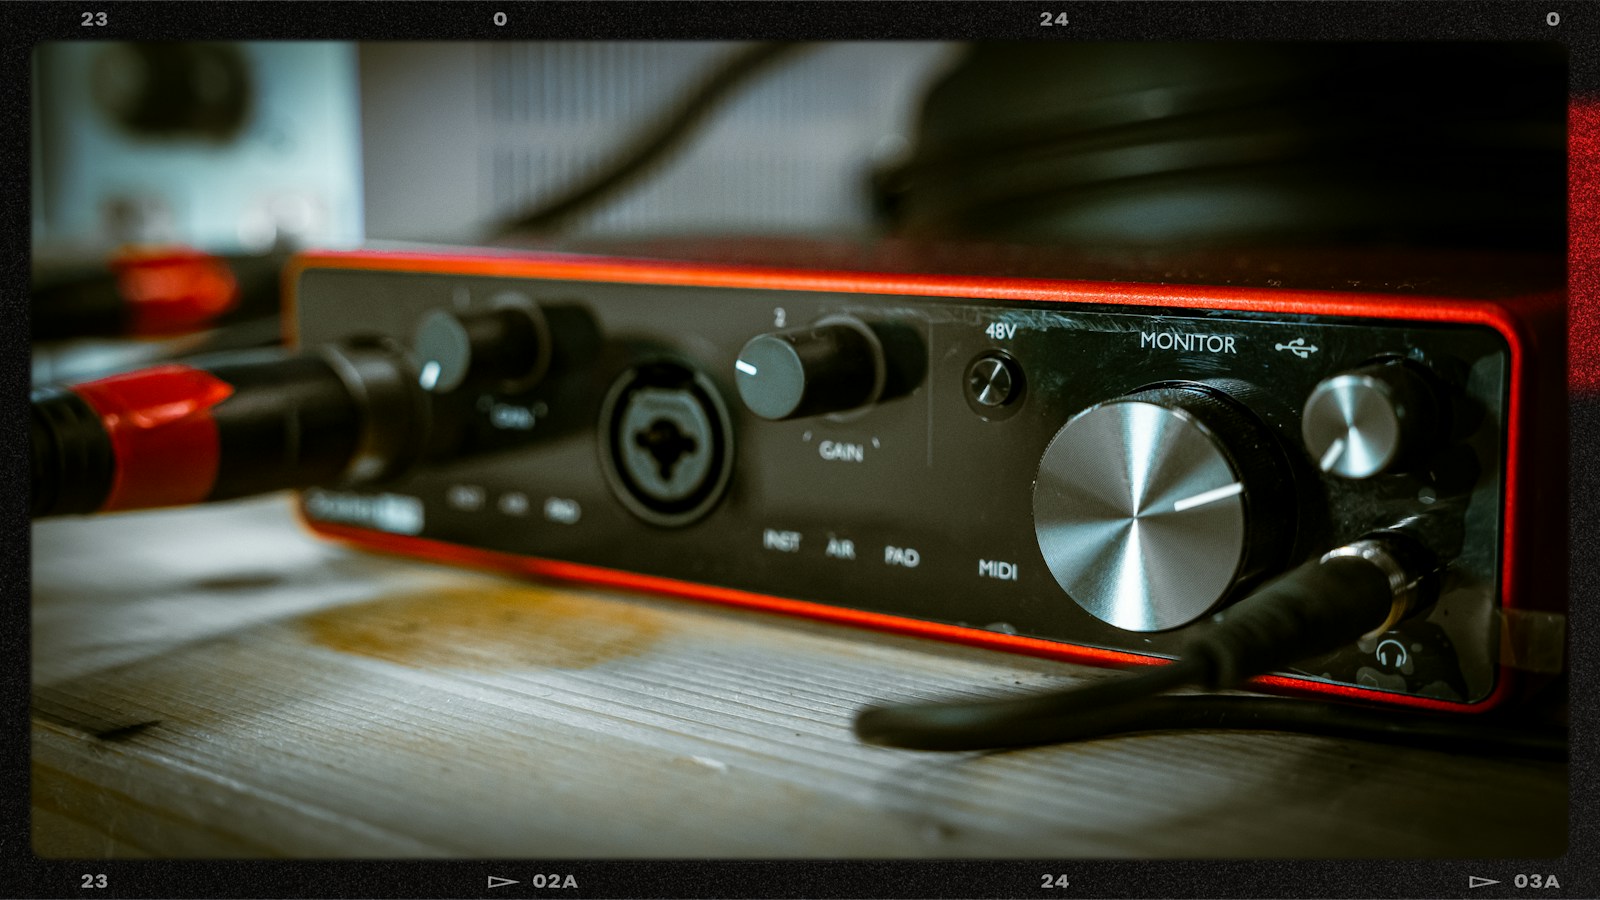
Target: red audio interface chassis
<point>1081,460</point>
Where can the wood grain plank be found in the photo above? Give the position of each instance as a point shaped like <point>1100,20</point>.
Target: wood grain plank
<point>214,682</point>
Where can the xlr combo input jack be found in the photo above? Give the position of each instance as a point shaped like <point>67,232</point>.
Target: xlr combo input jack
<point>666,443</point>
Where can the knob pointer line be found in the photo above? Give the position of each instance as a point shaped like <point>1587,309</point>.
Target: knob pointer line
<point>1211,496</point>
<point>430,376</point>
<point>1335,449</point>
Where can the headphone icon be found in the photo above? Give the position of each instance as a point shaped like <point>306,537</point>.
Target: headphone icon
<point>1399,651</point>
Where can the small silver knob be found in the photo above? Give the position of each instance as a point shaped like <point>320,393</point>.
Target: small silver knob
<point>1368,421</point>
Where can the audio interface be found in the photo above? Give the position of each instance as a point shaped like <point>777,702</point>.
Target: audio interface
<point>1077,467</point>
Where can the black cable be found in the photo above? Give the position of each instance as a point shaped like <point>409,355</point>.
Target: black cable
<point>1313,609</point>
<point>163,292</point>
<point>653,143</point>
<point>1017,722</point>
<point>1234,713</point>
<point>228,425</point>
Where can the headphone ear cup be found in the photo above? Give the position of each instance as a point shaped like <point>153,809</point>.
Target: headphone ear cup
<point>1441,145</point>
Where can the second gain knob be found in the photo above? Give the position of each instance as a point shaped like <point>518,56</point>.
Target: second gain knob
<point>834,366</point>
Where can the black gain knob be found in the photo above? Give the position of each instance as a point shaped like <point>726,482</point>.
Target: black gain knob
<point>1149,508</point>
<point>507,347</point>
<point>834,366</point>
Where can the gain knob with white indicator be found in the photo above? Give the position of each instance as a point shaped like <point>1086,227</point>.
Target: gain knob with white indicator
<point>1149,508</point>
<point>507,347</point>
<point>834,366</point>
<point>1371,420</point>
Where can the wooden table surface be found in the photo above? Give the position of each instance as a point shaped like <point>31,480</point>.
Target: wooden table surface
<point>215,682</point>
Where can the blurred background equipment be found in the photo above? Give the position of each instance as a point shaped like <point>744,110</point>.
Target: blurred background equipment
<point>168,181</point>
<point>234,148</point>
<point>656,140</point>
<point>513,125</point>
<point>1259,145</point>
<point>230,148</point>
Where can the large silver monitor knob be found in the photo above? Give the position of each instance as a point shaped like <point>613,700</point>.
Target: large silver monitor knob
<point>1149,508</point>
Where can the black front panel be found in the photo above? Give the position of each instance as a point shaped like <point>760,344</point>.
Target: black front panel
<point>921,503</point>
